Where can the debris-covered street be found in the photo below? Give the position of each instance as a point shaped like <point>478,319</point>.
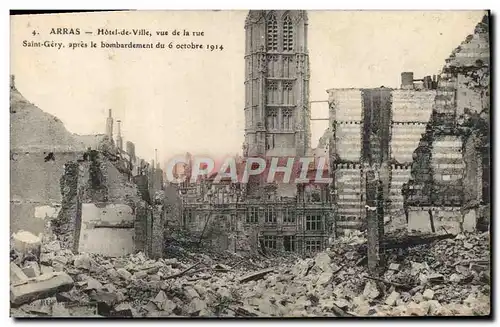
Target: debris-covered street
<point>444,277</point>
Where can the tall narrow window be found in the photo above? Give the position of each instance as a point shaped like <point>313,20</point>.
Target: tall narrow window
<point>272,119</point>
<point>287,34</point>
<point>287,119</point>
<point>272,34</point>
<point>272,66</point>
<point>252,215</point>
<point>270,216</point>
<point>288,93</point>
<point>287,66</point>
<point>187,216</point>
<point>288,215</point>
<point>269,141</point>
<point>272,93</point>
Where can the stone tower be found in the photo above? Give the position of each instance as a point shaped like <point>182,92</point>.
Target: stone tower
<point>276,84</point>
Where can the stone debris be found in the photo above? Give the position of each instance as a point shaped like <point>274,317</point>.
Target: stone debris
<point>419,281</point>
<point>38,287</point>
<point>31,269</point>
<point>393,298</point>
<point>26,244</point>
<point>256,276</point>
<point>16,274</point>
<point>371,292</point>
<point>394,266</point>
<point>428,294</point>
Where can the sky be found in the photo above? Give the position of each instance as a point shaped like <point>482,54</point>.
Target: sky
<point>182,101</point>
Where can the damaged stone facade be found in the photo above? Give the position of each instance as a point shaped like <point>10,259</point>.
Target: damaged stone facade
<point>380,126</point>
<point>98,211</point>
<point>451,171</point>
<point>224,214</point>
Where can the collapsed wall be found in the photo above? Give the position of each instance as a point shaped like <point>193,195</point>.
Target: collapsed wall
<point>102,211</point>
<point>86,194</point>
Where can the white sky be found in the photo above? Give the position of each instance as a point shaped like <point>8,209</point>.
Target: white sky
<point>180,101</point>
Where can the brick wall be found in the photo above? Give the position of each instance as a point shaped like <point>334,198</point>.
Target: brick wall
<point>450,171</point>
<point>374,125</point>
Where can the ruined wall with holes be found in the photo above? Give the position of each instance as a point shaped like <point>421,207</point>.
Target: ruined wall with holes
<point>103,212</point>
<point>451,167</point>
<point>91,201</point>
<point>381,126</point>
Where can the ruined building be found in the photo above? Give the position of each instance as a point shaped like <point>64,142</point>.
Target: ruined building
<point>40,145</point>
<point>450,176</point>
<point>104,209</point>
<point>80,185</point>
<point>381,127</point>
<point>429,140</point>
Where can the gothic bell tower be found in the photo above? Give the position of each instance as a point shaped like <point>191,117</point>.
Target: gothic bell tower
<point>276,83</point>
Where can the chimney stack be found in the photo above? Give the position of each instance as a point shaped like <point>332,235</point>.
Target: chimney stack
<point>428,83</point>
<point>407,80</point>
<point>119,140</point>
<point>109,127</point>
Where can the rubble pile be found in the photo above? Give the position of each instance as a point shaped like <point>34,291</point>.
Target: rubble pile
<point>433,279</point>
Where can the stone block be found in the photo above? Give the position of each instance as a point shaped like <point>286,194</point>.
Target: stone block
<point>394,266</point>
<point>16,274</point>
<point>40,287</point>
<point>428,294</point>
<point>46,269</point>
<point>31,269</point>
<point>82,261</point>
<point>25,242</point>
<point>371,291</point>
<point>392,298</point>
<point>323,261</point>
<point>470,220</point>
<point>123,310</point>
<point>123,273</point>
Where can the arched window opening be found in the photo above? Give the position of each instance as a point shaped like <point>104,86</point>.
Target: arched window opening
<point>287,34</point>
<point>272,34</point>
